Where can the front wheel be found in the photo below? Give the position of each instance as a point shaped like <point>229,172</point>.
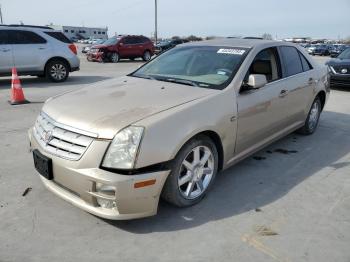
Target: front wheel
<point>193,173</point>
<point>57,71</point>
<point>146,56</point>
<point>312,118</point>
<point>114,57</point>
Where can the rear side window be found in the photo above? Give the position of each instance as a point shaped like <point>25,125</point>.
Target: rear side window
<point>306,65</point>
<point>3,37</point>
<point>19,37</point>
<point>130,40</point>
<point>291,61</point>
<point>59,36</point>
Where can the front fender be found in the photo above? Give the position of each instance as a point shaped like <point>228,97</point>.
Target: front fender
<point>166,132</point>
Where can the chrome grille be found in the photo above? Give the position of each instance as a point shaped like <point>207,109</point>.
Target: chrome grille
<point>60,140</point>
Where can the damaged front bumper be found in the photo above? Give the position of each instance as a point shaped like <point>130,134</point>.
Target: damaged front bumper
<point>80,182</point>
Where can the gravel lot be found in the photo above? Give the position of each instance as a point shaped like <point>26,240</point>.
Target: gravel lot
<point>287,207</point>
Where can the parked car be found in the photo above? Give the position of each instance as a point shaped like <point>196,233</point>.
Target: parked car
<point>340,69</point>
<point>87,48</point>
<point>337,50</point>
<point>167,44</point>
<point>39,51</point>
<point>322,50</point>
<point>166,129</point>
<point>119,47</point>
<point>310,49</point>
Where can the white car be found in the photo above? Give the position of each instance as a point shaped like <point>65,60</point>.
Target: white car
<point>38,51</point>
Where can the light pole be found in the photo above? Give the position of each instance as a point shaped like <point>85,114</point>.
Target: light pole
<point>155,22</point>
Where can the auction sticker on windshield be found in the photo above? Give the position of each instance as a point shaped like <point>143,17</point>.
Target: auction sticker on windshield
<point>231,51</point>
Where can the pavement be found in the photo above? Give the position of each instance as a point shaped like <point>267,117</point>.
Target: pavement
<point>290,203</point>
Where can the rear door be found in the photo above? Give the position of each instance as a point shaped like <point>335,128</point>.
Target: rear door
<point>6,57</point>
<point>30,50</point>
<point>299,82</point>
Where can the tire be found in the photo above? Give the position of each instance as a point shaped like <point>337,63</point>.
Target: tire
<point>312,119</point>
<point>147,56</point>
<point>198,174</point>
<point>114,57</point>
<point>57,71</point>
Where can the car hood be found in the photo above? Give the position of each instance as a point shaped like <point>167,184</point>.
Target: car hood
<point>338,61</point>
<point>107,107</point>
<point>99,46</point>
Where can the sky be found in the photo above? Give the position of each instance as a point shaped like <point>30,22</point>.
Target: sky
<point>281,18</point>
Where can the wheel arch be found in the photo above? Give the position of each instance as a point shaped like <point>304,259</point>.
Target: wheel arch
<point>215,138</point>
<point>58,58</point>
<point>322,96</point>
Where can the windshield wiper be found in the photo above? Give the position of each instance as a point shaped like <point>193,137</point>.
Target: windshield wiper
<point>179,81</point>
<point>144,76</point>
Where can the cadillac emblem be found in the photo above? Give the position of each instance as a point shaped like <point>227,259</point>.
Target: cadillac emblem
<point>344,71</point>
<point>47,136</point>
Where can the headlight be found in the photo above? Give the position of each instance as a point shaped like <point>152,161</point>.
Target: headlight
<point>122,151</point>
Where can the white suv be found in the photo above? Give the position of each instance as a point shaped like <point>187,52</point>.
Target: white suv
<point>39,51</point>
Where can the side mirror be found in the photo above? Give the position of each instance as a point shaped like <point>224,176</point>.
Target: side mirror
<point>256,81</point>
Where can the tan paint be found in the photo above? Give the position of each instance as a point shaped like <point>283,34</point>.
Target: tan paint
<point>172,114</point>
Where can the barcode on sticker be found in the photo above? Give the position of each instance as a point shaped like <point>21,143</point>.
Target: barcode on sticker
<point>231,51</point>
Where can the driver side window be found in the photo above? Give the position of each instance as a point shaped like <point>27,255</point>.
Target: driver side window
<point>266,63</point>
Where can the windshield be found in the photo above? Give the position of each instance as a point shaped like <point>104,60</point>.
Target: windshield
<point>112,41</point>
<point>345,54</point>
<point>203,66</point>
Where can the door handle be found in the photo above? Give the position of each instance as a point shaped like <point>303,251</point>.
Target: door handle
<point>5,50</point>
<point>42,48</point>
<point>283,93</point>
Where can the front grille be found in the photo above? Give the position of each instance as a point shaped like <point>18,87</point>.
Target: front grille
<point>59,141</point>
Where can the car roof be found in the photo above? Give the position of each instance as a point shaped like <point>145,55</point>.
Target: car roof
<point>236,42</point>
<point>26,27</point>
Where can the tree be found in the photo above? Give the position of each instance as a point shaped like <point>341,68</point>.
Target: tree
<point>193,38</point>
<point>267,36</point>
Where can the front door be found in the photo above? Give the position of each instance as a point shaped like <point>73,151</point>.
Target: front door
<point>261,112</point>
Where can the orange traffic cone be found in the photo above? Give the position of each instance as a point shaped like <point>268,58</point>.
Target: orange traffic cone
<point>17,96</point>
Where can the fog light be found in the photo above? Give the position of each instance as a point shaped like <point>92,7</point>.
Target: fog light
<point>105,196</point>
<point>106,203</point>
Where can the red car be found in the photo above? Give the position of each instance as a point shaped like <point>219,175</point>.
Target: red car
<point>119,47</point>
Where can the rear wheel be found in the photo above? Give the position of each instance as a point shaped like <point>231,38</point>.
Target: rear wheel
<point>146,56</point>
<point>312,118</point>
<point>57,71</point>
<point>193,173</point>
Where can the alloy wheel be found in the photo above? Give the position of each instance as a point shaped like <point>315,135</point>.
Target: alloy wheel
<point>58,72</point>
<point>196,172</point>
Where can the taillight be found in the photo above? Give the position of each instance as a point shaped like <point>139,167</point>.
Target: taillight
<point>73,48</point>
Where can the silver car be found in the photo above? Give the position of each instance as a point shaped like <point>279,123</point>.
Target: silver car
<point>39,51</point>
<point>167,129</point>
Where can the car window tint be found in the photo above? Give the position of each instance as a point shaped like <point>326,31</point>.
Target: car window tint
<point>59,36</point>
<point>291,61</point>
<point>138,40</point>
<point>25,37</point>
<point>306,65</point>
<point>3,37</point>
<point>129,40</point>
<point>266,63</point>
